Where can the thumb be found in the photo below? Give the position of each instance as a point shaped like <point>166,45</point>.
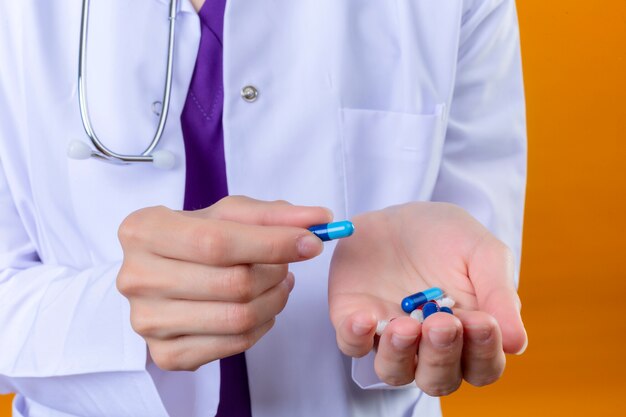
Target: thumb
<point>491,271</point>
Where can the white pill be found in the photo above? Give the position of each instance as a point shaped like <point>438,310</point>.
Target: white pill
<point>446,302</point>
<point>380,327</point>
<point>418,315</point>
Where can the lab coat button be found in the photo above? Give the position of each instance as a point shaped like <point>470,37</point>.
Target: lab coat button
<point>249,93</point>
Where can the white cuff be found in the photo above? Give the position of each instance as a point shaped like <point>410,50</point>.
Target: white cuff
<point>365,377</point>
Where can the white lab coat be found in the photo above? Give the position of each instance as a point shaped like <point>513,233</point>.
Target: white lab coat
<point>362,104</point>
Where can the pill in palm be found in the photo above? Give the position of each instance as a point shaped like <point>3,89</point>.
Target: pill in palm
<point>446,302</point>
<point>380,327</point>
<point>418,315</point>
<point>416,300</point>
<point>446,310</point>
<point>430,308</point>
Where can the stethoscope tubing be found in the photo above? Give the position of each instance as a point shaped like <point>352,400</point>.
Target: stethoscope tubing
<point>102,152</point>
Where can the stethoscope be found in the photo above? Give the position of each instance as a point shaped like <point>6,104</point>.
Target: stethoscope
<point>80,150</point>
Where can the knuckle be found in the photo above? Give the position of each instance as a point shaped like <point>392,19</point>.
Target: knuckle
<point>273,250</point>
<point>131,280</point>
<point>125,281</point>
<point>210,243</point>
<point>241,318</point>
<point>144,324</point>
<point>223,206</point>
<point>266,216</point>
<point>236,200</point>
<point>486,355</point>
<point>440,361</point>
<point>244,341</point>
<point>281,203</point>
<point>240,283</point>
<point>133,227</point>
<point>162,358</point>
<point>167,357</point>
<point>217,208</point>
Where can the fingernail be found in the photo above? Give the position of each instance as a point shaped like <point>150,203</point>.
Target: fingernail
<point>308,245</point>
<point>402,342</point>
<point>442,336</point>
<point>523,349</point>
<point>361,329</point>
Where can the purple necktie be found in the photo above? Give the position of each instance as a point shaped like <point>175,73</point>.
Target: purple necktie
<point>206,171</point>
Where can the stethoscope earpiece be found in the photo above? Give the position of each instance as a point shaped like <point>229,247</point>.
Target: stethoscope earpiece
<point>79,150</point>
<point>163,159</point>
<point>160,159</point>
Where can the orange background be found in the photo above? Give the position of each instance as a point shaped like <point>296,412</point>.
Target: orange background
<point>573,270</point>
<point>573,280</point>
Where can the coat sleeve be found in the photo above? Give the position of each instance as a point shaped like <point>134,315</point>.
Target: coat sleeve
<point>56,320</point>
<point>65,338</point>
<point>483,167</point>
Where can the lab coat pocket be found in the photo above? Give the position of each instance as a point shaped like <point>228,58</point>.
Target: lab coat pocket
<point>389,157</point>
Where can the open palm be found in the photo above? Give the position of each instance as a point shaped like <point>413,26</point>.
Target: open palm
<point>405,249</point>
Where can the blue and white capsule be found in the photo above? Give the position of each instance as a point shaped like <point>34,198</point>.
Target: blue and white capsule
<point>414,301</point>
<point>332,231</point>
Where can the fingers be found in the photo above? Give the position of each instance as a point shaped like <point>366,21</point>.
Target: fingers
<point>491,269</point>
<point>449,349</point>
<point>215,242</point>
<point>483,360</point>
<point>170,278</point>
<point>156,319</point>
<point>214,278</point>
<point>439,360</point>
<point>188,353</point>
<point>355,335</point>
<point>395,360</point>
<point>268,213</point>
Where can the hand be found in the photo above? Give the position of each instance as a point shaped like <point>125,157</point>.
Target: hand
<point>405,249</point>
<point>208,284</point>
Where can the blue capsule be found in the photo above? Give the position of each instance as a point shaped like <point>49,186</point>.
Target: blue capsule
<point>446,310</point>
<point>412,302</point>
<point>429,308</point>
<point>331,231</point>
